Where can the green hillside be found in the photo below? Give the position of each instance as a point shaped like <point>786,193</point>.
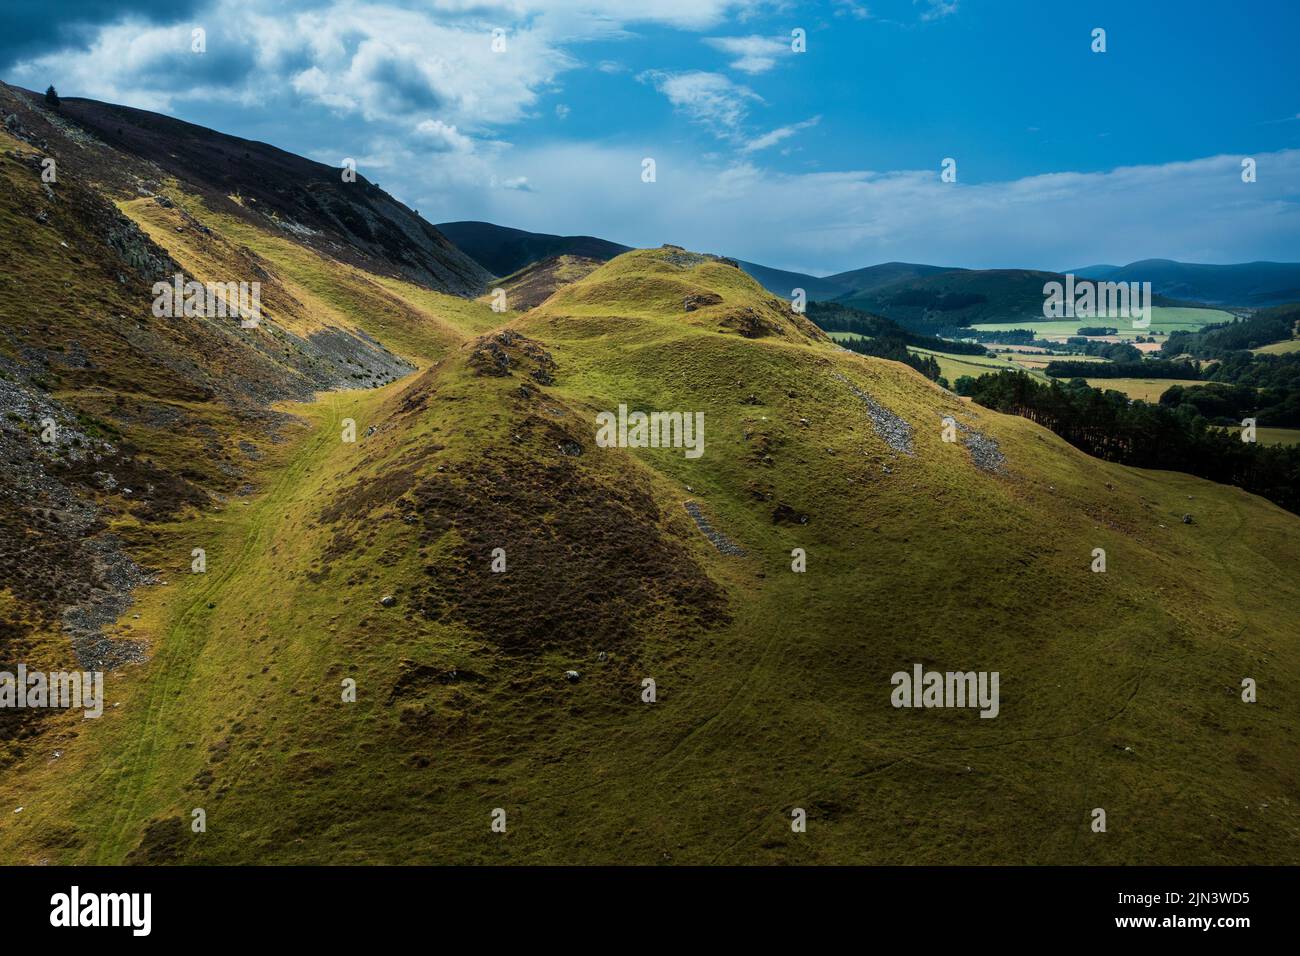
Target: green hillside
<point>1119,690</point>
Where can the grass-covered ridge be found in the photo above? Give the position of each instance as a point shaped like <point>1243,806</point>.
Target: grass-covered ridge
<point>1119,690</point>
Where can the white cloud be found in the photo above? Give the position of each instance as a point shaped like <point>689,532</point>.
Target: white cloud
<point>381,61</point>
<point>777,135</point>
<point>754,54</point>
<point>443,138</point>
<point>706,98</point>
<point>1196,211</point>
<point>852,8</point>
<point>937,9</point>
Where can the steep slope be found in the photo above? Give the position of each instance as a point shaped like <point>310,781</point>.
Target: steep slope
<point>353,221</point>
<point>534,284</point>
<point>772,687</point>
<point>1243,284</point>
<point>119,426</point>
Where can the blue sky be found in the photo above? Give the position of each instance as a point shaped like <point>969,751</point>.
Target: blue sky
<point>820,161</point>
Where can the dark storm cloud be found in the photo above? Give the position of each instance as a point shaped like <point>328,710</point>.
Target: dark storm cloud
<point>31,29</point>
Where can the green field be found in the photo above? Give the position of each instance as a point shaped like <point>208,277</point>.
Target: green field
<point>1273,436</point>
<point>1279,348</point>
<point>953,367</point>
<point>1143,389</point>
<point>1163,321</point>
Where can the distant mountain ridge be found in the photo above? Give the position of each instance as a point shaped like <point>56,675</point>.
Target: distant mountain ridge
<point>922,297</point>
<point>1253,284</point>
<point>503,251</point>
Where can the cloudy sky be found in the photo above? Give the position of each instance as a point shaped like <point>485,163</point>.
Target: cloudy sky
<point>821,160</point>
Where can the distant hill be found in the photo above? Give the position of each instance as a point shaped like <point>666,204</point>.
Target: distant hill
<point>954,298</point>
<point>1254,284</point>
<point>503,251</point>
<point>866,280</point>
<point>923,298</point>
<point>783,283</point>
<point>957,298</point>
<point>535,283</point>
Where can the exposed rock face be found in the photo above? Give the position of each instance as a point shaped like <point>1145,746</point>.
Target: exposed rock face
<point>54,556</point>
<point>984,451</point>
<point>699,300</point>
<point>500,353</point>
<point>720,541</point>
<point>896,432</point>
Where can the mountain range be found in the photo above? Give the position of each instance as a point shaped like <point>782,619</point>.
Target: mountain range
<point>925,298</point>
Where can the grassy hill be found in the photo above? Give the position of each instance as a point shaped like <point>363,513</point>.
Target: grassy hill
<point>476,431</point>
<point>773,686</point>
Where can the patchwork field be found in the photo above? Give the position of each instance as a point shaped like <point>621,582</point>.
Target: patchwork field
<point>1163,321</point>
<point>952,367</point>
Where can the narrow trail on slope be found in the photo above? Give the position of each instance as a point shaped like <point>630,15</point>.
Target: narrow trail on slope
<point>179,650</point>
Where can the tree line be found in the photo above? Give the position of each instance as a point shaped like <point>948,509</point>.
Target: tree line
<point>833,317</point>
<point>890,347</point>
<point>1110,426</point>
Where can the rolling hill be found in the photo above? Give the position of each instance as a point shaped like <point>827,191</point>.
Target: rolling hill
<point>863,281</point>
<point>947,300</point>
<point>924,298</point>
<point>503,251</point>
<point>433,593</point>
